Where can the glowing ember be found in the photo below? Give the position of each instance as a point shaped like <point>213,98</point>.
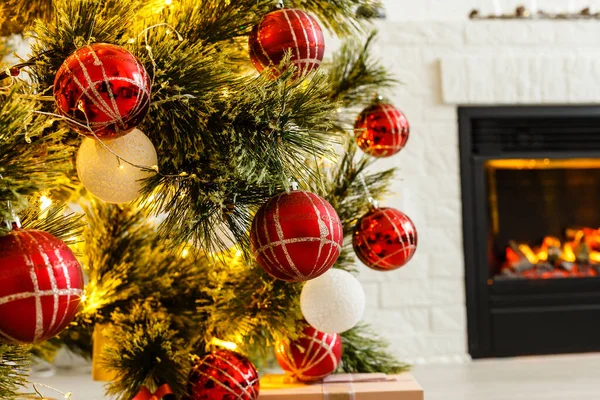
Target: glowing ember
<point>577,256</point>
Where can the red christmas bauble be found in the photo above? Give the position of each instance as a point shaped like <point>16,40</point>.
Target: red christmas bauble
<point>41,283</point>
<point>381,130</point>
<point>223,375</point>
<point>312,357</point>
<point>296,236</point>
<point>103,85</point>
<point>385,239</point>
<point>283,31</point>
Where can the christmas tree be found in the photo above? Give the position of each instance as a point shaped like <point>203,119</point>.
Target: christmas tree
<point>200,166</point>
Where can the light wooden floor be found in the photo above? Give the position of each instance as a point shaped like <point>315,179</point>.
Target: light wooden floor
<point>571,377</point>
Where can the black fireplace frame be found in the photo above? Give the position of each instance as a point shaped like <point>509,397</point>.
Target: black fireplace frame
<point>522,317</point>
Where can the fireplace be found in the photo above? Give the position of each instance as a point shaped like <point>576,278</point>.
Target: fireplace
<point>531,222</point>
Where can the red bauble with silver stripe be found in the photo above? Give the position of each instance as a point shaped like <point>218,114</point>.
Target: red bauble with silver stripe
<point>296,236</point>
<point>105,86</point>
<point>385,239</point>
<point>223,375</point>
<point>283,31</point>
<point>312,357</point>
<point>381,130</point>
<point>41,283</point>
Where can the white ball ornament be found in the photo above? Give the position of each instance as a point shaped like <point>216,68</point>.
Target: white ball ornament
<point>108,179</point>
<point>333,302</point>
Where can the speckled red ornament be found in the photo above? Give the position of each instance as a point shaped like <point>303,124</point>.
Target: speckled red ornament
<point>223,375</point>
<point>381,130</point>
<point>41,283</point>
<point>312,357</point>
<point>296,236</point>
<point>104,85</point>
<point>385,239</point>
<point>287,31</point>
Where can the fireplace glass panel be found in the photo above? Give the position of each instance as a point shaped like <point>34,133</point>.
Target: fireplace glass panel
<point>544,218</point>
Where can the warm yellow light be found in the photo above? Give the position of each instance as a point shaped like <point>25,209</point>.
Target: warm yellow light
<point>45,202</point>
<point>222,343</point>
<point>542,255</point>
<point>185,252</point>
<point>93,299</point>
<point>121,166</point>
<point>526,250</point>
<point>579,236</point>
<point>168,2</point>
<point>544,163</point>
<point>568,254</point>
<point>595,256</point>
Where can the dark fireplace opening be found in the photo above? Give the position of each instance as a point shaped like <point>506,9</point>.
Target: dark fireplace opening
<point>544,217</point>
<point>531,221</point>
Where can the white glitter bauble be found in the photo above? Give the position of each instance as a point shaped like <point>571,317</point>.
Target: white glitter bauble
<point>100,172</point>
<point>333,302</point>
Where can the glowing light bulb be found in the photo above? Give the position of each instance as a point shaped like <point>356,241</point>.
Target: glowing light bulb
<point>222,343</point>
<point>184,253</point>
<point>45,203</point>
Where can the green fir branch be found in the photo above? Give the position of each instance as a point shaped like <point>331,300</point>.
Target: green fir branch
<point>17,15</point>
<point>216,20</point>
<point>365,352</point>
<point>264,309</point>
<point>143,349</point>
<point>127,260</point>
<point>339,16</point>
<point>14,370</point>
<point>354,76</point>
<point>255,139</point>
<point>32,160</point>
<point>342,186</point>
<point>68,227</point>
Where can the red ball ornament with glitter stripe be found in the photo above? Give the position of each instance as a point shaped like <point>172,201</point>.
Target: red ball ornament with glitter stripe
<point>41,283</point>
<point>385,239</point>
<point>296,236</point>
<point>223,375</point>
<point>312,357</point>
<point>105,87</point>
<point>287,31</point>
<point>381,130</point>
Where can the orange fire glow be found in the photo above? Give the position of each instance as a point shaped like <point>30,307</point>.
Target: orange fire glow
<point>577,256</point>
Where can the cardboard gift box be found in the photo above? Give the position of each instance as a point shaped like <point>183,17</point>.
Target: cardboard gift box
<point>343,387</point>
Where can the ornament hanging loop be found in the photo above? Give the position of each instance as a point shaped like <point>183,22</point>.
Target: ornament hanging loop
<point>374,203</point>
<point>377,98</point>
<point>293,185</point>
<point>279,4</point>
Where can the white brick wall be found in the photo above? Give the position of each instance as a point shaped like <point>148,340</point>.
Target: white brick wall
<point>443,64</point>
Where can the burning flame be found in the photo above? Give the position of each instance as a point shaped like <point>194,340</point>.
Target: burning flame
<point>531,256</point>
<point>577,256</point>
<point>567,253</point>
